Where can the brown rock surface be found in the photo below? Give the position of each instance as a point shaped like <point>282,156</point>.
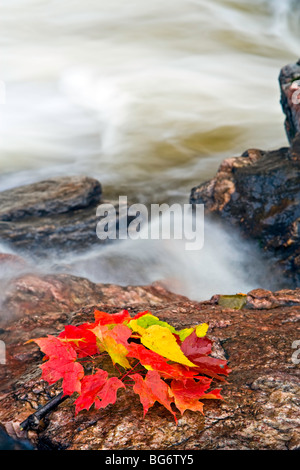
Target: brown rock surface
<point>58,214</point>
<point>49,197</point>
<point>262,396</point>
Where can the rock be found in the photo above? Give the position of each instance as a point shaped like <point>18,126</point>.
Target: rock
<point>57,214</point>
<point>43,304</point>
<point>8,443</point>
<point>33,295</point>
<point>7,259</point>
<point>50,197</point>
<point>289,80</point>
<point>259,192</point>
<point>261,299</point>
<point>261,406</point>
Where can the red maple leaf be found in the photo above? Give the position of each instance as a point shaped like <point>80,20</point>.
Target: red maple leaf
<point>140,314</point>
<point>212,395</point>
<point>99,390</point>
<point>197,350</point>
<point>192,345</point>
<point>61,364</point>
<point>159,363</point>
<point>180,364</point>
<point>103,318</point>
<point>81,338</point>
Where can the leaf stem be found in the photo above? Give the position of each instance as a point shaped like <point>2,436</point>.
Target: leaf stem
<point>33,420</point>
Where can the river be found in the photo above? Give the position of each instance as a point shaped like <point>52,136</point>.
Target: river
<point>148,97</point>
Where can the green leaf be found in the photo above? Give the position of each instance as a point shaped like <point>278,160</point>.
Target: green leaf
<point>237,301</point>
<point>148,320</point>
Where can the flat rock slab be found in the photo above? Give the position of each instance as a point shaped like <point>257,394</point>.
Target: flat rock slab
<point>57,215</point>
<point>49,197</point>
<point>262,396</point>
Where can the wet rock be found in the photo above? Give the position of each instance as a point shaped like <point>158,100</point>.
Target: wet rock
<point>57,214</point>
<point>289,80</point>
<point>43,303</point>
<point>260,194</point>
<point>9,265</point>
<point>10,260</point>
<point>261,410</point>
<point>33,294</point>
<point>50,197</point>
<point>264,299</point>
<point>8,443</point>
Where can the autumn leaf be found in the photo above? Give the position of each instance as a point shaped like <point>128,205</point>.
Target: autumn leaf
<point>152,389</point>
<point>144,321</point>
<point>187,394</point>
<point>98,389</point>
<point>212,395</point>
<point>183,334</point>
<point>160,340</point>
<point>61,364</point>
<point>198,350</point>
<point>114,341</point>
<point>195,346</point>
<point>81,338</point>
<point>103,318</point>
<point>236,302</point>
<point>140,314</point>
<point>153,361</point>
<point>175,362</point>
<point>201,330</point>
<point>211,366</point>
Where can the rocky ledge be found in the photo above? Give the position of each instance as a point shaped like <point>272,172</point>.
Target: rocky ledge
<point>262,396</point>
<point>289,80</point>
<point>58,214</point>
<point>259,192</point>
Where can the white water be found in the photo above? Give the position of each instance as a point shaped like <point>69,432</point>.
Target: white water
<point>148,97</point>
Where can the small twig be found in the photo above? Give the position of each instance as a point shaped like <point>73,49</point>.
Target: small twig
<point>33,420</point>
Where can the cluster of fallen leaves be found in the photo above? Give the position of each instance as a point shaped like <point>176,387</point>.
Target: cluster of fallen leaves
<point>159,363</point>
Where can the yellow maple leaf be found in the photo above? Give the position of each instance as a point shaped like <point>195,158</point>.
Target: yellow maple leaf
<point>161,340</point>
<point>201,330</point>
<point>106,342</point>
<point>133,324</point>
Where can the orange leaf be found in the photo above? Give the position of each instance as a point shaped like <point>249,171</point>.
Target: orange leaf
<point>152,360</point>
<point>103,318</point>
<point>188,393</point>
<point>152,389</point>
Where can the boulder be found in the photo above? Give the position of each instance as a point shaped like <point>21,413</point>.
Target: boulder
<point>58,214</point>
<point>289,80</point>
<point>262,395</point>
<point>259,192</point>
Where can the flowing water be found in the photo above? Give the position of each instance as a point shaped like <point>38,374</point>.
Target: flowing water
<point>148,97</point>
